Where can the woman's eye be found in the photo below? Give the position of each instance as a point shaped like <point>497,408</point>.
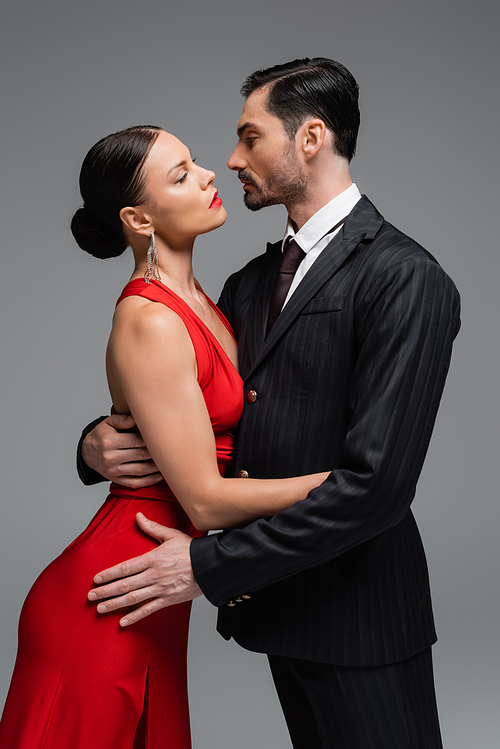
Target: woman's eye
<point>181,179</point>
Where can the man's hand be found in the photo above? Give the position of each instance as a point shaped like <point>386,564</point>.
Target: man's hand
<point>118,455</point>
<point>162,577</point>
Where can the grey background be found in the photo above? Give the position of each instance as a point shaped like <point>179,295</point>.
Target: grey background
<point>427,157</point>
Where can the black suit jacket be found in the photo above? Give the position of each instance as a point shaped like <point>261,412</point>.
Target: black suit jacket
<point>348,380</point>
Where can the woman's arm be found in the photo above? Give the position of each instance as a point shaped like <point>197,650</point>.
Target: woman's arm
<point>151,356</point>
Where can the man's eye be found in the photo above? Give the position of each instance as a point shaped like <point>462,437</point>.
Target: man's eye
<point>251,139</point>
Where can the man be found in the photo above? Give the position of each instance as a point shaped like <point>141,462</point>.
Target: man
<point>343,371</point>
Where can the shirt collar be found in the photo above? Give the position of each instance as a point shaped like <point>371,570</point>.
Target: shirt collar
<point>323,220</point>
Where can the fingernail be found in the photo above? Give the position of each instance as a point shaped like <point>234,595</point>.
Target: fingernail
<point>92,596</point>
<point>98,579</point>
<point>102,608</point>
<point>123,622</point>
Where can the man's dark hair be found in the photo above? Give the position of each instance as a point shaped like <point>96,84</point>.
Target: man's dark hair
<point>305,88</point>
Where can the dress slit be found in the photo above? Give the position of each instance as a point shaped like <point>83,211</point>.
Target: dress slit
<point>142,727</point>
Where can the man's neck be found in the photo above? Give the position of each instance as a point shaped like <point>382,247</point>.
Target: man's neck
<point>315,198</point>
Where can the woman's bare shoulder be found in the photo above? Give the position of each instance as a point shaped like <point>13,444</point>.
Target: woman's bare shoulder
<point>147,339</point>
<point>149,336</point>
<point>143,319</point>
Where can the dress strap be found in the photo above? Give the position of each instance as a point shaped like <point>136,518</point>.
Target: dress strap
<point>218,313</point>
<point>154,291</point>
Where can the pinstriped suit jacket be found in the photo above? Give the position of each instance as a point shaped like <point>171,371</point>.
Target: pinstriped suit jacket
<point>349,380</point>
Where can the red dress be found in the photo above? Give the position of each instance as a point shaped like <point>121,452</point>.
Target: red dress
<point>80,680</point>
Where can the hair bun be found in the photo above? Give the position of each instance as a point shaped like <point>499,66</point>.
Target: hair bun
<point>94,237</point>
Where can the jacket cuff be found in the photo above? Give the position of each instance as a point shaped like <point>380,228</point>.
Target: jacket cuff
<point>87,475</point>
<point>203,561</point>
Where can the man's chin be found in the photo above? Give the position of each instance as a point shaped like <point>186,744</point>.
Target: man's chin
<point>256,202</point>
<point>252,205</point>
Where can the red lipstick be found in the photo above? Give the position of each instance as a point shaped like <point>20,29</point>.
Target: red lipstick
<point>216,201</point>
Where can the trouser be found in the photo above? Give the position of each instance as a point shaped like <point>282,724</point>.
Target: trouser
<point>342,707</point>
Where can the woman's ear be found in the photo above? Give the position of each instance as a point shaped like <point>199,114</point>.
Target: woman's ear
<point>137,220</point>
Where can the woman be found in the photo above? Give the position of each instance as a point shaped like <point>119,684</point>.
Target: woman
<point>81,680</point>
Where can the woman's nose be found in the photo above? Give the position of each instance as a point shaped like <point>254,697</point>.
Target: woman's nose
<point>207,178</point>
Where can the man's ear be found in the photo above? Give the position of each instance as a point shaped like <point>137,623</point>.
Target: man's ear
<point>137,220</point>
<point>312,135</point>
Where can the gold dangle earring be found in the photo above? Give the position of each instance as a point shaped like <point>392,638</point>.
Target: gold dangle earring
<point>152,272</point>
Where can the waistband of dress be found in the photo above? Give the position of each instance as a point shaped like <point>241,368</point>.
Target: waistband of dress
<point>160,492</point>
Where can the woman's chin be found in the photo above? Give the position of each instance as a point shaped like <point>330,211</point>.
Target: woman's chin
<point>220,216</point>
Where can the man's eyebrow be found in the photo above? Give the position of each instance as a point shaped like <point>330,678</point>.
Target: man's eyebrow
<point>245,126</point>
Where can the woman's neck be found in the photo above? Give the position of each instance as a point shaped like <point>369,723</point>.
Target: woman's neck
<point>175,267</point>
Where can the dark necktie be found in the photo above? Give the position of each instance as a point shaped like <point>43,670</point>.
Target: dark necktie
<point>292,258</point>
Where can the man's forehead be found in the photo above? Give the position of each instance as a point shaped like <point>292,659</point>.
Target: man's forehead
<point>256,101</point>
<point>255,114</point>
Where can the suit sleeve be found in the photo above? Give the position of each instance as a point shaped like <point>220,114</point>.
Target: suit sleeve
<point>406,323</point>
<point>87,475</point>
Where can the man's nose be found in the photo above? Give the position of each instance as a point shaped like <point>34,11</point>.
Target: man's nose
<point>236,162</point>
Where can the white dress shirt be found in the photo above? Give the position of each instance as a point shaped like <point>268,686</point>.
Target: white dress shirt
<point>312,238</point>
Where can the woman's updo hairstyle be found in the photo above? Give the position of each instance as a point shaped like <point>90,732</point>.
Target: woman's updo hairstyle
<point>111,178</point>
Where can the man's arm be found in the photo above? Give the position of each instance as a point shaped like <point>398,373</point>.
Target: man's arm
<point>87,475</point>
<point>108,449</point>
<point>407,324</point>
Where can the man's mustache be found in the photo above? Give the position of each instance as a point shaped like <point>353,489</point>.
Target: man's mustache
<point>245,177</point>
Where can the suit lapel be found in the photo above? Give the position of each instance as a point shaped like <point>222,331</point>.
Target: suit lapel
<point>251,339</point>
<point>362,223</point>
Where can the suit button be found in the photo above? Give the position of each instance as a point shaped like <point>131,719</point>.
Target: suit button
<point>243,474</point>
<point>251,396</point>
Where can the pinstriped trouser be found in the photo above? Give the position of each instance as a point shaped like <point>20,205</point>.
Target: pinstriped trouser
<point>339,707</point>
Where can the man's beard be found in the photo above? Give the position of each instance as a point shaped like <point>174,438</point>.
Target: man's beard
<point>286,185</point>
